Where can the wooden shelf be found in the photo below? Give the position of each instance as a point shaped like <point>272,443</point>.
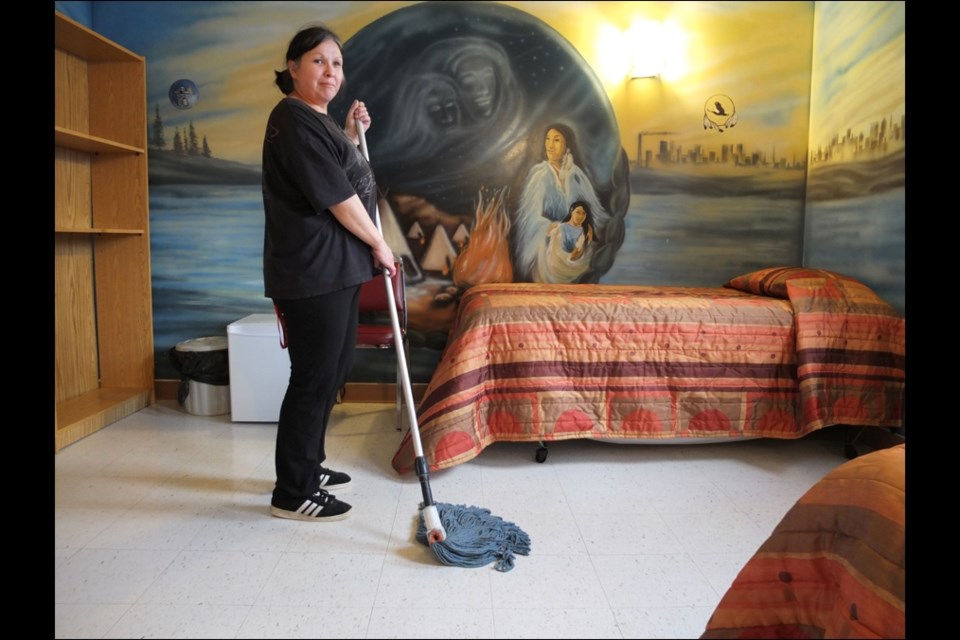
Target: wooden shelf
<point>90,144</point>
<point>76,39</point>
<point>104,351</point>
<point>79,417</point>
<point>123,232</point>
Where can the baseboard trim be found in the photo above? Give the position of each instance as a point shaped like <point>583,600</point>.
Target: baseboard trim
<point>355,392</point>
<point>385,392</point>
<point>166,389</point>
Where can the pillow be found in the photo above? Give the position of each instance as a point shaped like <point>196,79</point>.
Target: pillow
<point>773,281</point>
<point>837,295</point>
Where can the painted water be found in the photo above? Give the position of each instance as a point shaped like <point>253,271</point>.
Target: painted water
<point>207,249</point>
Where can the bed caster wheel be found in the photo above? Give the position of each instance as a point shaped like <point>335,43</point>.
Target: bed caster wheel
<point>541,454</point>
<point>850,451</point>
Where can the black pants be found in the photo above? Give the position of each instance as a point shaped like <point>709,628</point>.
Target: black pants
<point>321,338</point>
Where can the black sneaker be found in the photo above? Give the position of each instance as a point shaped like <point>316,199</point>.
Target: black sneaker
<point>330,479</point>
<point>320,506</point>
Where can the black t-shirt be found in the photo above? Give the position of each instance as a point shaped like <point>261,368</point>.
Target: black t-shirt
<point>309,164</point>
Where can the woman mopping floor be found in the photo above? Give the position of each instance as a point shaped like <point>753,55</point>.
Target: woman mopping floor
<point>458,535</point>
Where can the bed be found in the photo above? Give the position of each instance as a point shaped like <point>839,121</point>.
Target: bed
<point>835,565</point>
<point>775,353</point>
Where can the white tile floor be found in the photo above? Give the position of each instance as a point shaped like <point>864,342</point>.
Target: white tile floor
<point>162,530</point>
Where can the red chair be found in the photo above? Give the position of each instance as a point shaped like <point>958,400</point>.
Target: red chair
<point>375,330</point>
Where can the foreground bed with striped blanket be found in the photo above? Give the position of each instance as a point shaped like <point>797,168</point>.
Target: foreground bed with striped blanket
<point>835,565</point>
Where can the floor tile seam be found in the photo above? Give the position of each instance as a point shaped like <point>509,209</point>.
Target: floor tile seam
<point>119,513</point>
<point>143,549</point>
<point>675,538</point>
<point>180,555</point>
<point>705,577</point>
<point>135,599</point>
<point>569,512</point>
<point>192,546</point>
<point>247,607</point>
<point>94,603</point>
<point>603,588</point>
<point>157,482</point>
<point>65,474</point>
<point>106,633</point>
<point>251,608</point>
<point>492,609</point>
<point>683,554</point>
<point>373,603</point>
<point>662,607</point>
<point>684,545</point>
<point>246,616</point>
<point>383,563</point>
<point>269,576</point>
<point>497,635</point>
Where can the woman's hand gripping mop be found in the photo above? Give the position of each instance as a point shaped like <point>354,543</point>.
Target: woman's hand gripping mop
<point>458,535</point>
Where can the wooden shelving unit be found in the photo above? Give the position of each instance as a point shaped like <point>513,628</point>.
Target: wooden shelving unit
<point>104,316</point>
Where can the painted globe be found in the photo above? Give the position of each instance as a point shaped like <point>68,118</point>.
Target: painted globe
<point>184,94</point>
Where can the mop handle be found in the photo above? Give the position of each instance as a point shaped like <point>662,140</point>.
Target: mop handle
<point>366,155</point>
<point>395,320</point>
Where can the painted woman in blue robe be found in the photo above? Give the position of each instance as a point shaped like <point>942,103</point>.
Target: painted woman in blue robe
<point>550,188</point>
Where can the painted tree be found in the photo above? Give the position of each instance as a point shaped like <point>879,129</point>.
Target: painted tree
<point>157,140</point>
<point>178,142</point>
<point>206,148</point>
<point>193,147</point>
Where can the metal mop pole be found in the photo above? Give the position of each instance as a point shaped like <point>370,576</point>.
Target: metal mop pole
<point>431,516</point>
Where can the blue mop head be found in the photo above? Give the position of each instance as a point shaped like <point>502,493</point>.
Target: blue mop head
<point>475,537</point>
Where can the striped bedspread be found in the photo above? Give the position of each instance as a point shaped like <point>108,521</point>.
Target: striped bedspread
<point>835,565</point>
<point>535,362</point>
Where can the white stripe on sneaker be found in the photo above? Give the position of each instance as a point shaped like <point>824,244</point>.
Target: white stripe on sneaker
<point>330,479</point>
<point>309,507</point>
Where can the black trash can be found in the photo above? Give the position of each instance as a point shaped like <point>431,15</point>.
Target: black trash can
<point>204,375</point>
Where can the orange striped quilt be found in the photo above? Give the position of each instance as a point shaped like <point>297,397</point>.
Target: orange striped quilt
<point>536,362</point>
<point>835,565</point>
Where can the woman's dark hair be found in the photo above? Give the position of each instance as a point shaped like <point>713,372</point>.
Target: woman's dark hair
<point>568,135</point>
<point>588,215</point>
<point>305,40</point>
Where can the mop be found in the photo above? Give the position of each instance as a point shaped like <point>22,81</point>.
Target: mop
<point>458,535</point>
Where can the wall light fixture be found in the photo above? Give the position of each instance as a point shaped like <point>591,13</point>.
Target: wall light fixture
<point>647,47</point>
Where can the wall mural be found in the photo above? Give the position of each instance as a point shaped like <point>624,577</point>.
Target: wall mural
<point>491,126</point>
<point>504,150</point>
<point>856,189</point>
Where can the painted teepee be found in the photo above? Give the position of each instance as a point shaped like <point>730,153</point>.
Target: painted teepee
<point>440,254</point>
<point>460,236</point>
<point>393,234</point>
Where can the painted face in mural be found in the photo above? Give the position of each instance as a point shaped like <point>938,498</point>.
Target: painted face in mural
<point>441,105</point>
<point>478,82</point>
<point>578,215</point>
<point>318,74</point>
<point>556,146</point>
